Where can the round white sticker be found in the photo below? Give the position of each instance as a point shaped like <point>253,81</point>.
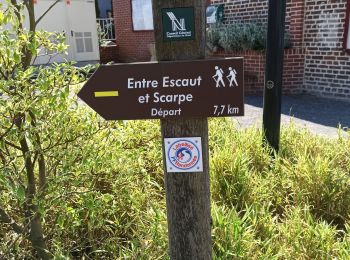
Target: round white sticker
<point>184,155</point>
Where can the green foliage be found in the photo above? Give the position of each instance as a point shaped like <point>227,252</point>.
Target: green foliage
<point>38,119</point>
<point>240,37</point>
<point>106,198</point>
<point>243,36</point>
<point>296,206</point>
<point>213,37</point>
<point>111,206</point>
<point>16,41</point>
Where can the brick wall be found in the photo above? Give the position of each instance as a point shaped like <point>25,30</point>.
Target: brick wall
<point>254,70</point>
<point>295,21</point>
<point>257,11</point>
<point>254,64</point>
<point>327,65</point>
<point>244,10</point>
<point>108,54</point>
<point>133,45</point>
<point>316,64</point>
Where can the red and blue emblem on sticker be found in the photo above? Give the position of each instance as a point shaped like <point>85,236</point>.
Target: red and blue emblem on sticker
<point>183,154</point>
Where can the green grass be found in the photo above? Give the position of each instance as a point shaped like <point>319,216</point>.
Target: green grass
<point>111,202</point>
<point>296,206</point>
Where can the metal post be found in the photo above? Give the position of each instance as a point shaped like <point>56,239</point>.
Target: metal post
<point>273,73</point>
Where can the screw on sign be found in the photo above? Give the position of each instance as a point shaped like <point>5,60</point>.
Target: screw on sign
<point>270,84</point>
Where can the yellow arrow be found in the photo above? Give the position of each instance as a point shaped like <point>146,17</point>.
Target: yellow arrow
<point>106,94</point>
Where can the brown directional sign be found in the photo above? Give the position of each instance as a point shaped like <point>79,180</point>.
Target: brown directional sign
<point>201,88</point>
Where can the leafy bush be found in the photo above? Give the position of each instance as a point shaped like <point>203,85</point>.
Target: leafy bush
<point>37,118</point>
<point>106,198</point>
<point>239,37</point>
<point>213,38</point>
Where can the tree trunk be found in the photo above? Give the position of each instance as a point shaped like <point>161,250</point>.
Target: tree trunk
<point>187,194</point>
<point>36,236</point>
<point>32,215</point>
<point>27,54</point>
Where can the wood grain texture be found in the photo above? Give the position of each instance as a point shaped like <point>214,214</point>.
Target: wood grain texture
<point>180,50</point>
<point>187,194</point>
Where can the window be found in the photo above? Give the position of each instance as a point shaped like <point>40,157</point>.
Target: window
<point>83,41</point>
<point>142,15</point>
<point>347,28</point>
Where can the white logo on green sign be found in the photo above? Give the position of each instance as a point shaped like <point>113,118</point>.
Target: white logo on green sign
<point>178,24</point>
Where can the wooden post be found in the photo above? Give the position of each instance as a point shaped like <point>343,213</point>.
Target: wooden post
<point>187,194</point>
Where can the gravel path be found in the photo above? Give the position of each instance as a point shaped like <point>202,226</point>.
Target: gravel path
<point>321,116</point>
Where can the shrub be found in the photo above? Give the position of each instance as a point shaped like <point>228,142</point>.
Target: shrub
<point>213,38</point>
<point>36,118</point>
<point>105,197</point>
<point>243,36</point>
<point>240,37</point>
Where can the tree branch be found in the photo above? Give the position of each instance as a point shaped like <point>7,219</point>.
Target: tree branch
<point>26,53</point>
<point>18,12</point>
<point>5,218</point>
<point>7,131</point>
<point>13,145</point>
<point>2,157</point>
<point>73,139</point>
<point>45,13</point>
<point>41,158</point>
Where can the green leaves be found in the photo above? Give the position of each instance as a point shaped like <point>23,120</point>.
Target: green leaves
<point>2,17</point>
<point>240,36</point>
<point>295,206</point>
<point>20,193</point>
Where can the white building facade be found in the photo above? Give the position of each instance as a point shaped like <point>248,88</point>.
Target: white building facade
<point>77,20</point>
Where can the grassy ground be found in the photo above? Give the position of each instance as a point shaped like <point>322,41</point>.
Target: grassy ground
<point>294,207</point>
<point>111,204</point>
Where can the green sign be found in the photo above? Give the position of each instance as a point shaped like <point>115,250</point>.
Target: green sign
<point>178,24</point>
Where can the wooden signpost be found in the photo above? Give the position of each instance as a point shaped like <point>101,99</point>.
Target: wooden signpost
<point>182,90</point>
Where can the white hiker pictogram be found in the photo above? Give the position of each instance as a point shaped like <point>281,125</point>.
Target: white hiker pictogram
<point>219,77</point>
<point>232,77</point>
<point>176,24</point>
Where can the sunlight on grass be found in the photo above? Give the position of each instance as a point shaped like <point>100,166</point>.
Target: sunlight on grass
<point>111,202</point>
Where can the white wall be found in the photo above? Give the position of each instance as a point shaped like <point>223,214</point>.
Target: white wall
<point>78,21</point>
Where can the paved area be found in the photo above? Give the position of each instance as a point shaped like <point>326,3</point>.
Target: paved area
<point>321,116</point>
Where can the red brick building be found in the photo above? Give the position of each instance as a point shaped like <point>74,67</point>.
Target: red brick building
<point>317,63</point>
<point>133,45</point>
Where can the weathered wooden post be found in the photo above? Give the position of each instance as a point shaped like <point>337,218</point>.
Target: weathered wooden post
<point>273,74</point>
<point>187,194</point>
